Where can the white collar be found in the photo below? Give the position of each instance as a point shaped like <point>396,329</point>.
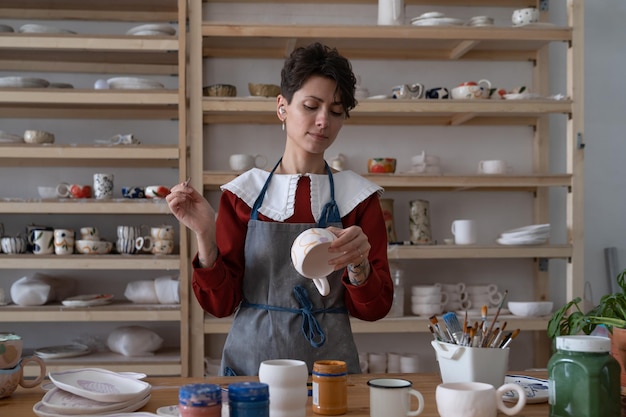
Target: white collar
<point>279,202</point>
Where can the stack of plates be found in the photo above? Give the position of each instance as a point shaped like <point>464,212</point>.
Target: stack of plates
<point>157,29</point>
<point>92,391</point>
<point>34,28</point>
<point>535,234</point>
<point>23,82</point>
<point>10,138</point>
<point>132,83</point>
<point>480,21</point>
<point>63,351</point>
<point>435,19</point>
<point>88,300</point>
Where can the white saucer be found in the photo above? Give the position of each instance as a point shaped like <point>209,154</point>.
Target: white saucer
<point>533,229</point>
<point>100,384</point>
<point>132,83</point>
<point>523,241</point>
<point>379,97</point>
<point>34,28</point>
<point>87,300</point>
<point>62,351</point>
<point>522,96</point>
<point>440,21</point>
<point>536,25</point>
<point>428,15</point>
<point>158,28</point>
<point>536,389</point>
<point>23,82</point>
<point>168,411</point>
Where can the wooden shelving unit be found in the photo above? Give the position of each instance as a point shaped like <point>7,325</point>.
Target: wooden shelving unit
<point>99,54</point>
<point>216,39</point>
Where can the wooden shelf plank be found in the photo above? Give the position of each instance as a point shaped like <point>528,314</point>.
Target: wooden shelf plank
<point>212,180</point>
<point>380,42</point>
<point>438,3</point>
<point>35,42</point>
<point>84,206</point>
<point>397,112</point>
<point>116,10</point>
<point>91,152</point>
<point>477,252</point>
<point>102,262</point>
<point>407,324</point>
<point>122,312</point>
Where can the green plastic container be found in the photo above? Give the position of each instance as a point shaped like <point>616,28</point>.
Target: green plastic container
<point>583,378</point>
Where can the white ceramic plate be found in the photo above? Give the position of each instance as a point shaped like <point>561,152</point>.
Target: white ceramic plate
<point>62,351</point>
<point>34,28</point>
<point>379,97</point>
<point>536,389</point>
<point>100,384</point>
<point>168,411</point>
<point>531,230</point>
<point>159,28</point>
<point>60,401</point>
<point>441,21</point>
<point>133,83</point>
<point>428,15</point>
<point>535,25</point>
<point>23,82</point>
<point>87,300</point>
<point>523,241</point>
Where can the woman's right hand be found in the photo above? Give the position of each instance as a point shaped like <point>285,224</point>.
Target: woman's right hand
<point>191,209</point>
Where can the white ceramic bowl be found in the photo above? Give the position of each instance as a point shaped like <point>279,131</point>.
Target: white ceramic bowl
<point>93,247</point>
<point>530,308</point>
<point>47,192</point>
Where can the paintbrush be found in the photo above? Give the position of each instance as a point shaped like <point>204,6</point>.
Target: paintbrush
<point>465,332</point>
<point>510,339</point>
<point>496,341</point>
<point>495,318</point>
<point>453,325</point>
<point>483,324</point>
<point>433,332</point>
<point>186,183</point>
<point>438,331</point>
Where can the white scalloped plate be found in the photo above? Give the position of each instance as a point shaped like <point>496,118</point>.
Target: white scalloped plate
<point>23,82</point>
<point>62,351</point>
<point>100,384</point>
<point>60,401</point>
<point>536,389</point>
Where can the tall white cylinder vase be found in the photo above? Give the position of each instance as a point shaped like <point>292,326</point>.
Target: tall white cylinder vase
<point>390,12</point>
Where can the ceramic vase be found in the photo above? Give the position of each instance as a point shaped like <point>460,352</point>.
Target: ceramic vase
<point>419,222</point>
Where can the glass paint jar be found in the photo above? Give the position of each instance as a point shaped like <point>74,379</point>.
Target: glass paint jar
<point>249,399</point>
<point>330,387</point>
<point>583,378</point>
<point>200,400</point>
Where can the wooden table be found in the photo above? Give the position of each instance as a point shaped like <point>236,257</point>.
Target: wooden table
<point>165,392</point>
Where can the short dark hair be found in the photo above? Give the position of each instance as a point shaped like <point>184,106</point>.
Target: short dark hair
<point>318,59</point>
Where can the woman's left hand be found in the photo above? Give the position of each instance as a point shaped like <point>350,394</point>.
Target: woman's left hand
<point>351,243</point>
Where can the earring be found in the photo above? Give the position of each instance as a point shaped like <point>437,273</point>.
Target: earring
<point>283,126</point>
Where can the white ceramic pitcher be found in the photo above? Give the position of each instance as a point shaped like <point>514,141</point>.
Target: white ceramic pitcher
<point>390,12</point>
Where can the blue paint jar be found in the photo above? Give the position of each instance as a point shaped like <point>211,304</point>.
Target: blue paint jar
<point>249,399</point>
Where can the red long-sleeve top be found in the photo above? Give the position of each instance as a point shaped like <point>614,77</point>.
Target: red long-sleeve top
<point>219,287</point>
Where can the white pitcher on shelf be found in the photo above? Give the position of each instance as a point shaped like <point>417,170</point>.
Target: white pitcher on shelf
<point>390,12</point>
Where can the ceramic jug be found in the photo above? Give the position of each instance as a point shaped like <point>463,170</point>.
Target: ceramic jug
<point>390,12</point>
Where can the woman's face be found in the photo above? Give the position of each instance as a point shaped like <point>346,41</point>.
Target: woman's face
<point>314,116</point>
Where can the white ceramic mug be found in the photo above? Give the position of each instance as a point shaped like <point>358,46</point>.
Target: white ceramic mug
<point>421,290</point>
<point>244,162</point>
<point>459,305</point>
<point>143,243</point>
<point>163,232</point>
<point>459,287</point>
<point>525,16</point>
<point>286,379</point>
<point>126,246</point>
<point>377,362</point>
<point>427,309</point>
<point>473,399</point>
<point>162,247</point>
<point>464,232</point>
<point>128,232</point>
<point>64,241</point>
<point>102,185</point>
<point>390,397</point>
<point>492,166</point>
<point>482,289</point>
<point>89,233</point>
<point>409,363</point>
<point>430,298</point>
<point>390,12</point>
<point>310,256</point>
<point>15,244</point>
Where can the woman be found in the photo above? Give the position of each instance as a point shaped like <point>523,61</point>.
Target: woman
<point>243,263</point>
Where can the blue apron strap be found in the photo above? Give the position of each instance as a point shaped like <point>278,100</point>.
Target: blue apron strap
<point>330,212</point>
<point>311,328</point>
<point>254,214</point>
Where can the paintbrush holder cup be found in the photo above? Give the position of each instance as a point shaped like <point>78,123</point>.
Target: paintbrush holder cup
<point>471,364</point>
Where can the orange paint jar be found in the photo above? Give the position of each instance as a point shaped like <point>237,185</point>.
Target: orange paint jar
<point>330,387</point>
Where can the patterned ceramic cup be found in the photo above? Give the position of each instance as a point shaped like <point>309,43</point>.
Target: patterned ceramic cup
<point>103,185</point>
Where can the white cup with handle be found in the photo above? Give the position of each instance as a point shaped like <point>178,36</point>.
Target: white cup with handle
<point>392,397</point>
<point>310,256</point>
<point>464,231</point>
<point>244,162</point>
<point>471,399</point>
<point>493,166</point>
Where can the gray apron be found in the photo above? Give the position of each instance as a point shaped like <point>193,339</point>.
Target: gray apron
<point>282,315</point>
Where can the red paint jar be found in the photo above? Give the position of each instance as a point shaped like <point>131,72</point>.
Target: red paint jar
<point>200,400</point>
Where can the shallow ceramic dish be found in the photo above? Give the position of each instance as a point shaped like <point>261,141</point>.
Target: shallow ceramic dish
<point>522,96</point>
<point>536,389</point>
<point>168,411</point>
<point>43,411</point>
<point>23,82</point>
<point>532,240</point>
<point>88,300</point>
<point>47,192</point>
<point>62,351</point>
<point>35,28</point>
<point>440,21</point>
<point>60,401</point>
<point>429,15</point>
<point>530,308</point>
<point>157,28</point>
<point>93,247</point>
<point>525,231</point>
<point>133,83</point>
<point>220,90</point>
<point>100,384</point>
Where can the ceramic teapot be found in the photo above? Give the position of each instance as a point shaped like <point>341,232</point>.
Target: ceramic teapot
<point>411,91</point>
